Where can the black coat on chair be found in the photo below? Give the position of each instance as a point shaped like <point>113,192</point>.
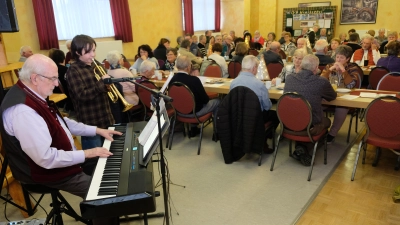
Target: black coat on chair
<point>240,124</point>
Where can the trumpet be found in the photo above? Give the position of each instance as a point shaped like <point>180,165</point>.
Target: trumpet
<point>113,94</point>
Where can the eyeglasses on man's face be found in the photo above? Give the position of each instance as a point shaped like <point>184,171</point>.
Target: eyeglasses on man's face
<point>52,79</point>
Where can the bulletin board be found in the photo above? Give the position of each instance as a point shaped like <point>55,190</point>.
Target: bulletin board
<point>298,18</point>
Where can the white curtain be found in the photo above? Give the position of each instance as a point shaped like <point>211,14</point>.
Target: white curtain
<point>90,17</point>
<point>203,15</point>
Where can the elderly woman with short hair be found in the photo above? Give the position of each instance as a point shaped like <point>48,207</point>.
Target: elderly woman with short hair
<point>258,38</point>
<point>298,56</point>
<point>169,64</point>
<point>346,75</point>
<point>335,42</point>
<point>118,71</point>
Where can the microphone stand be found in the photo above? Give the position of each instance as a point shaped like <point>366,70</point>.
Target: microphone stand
<point>157,95</point>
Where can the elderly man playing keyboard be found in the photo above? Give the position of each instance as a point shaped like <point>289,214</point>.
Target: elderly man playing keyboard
<point>38,140</point>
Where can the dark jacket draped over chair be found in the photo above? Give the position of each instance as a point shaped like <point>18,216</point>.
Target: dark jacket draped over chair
<point>240,124</point>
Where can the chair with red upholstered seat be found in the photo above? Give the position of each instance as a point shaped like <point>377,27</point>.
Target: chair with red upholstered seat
<point>234,68</point>
<point>376,75</point>
<point>274,69</point>
<point>253,52</point>
<point>295,116</point>
<point>390,82</point>
<point>184,104</point>
<point>213,70</point>
<point>106,64</point>
<point>383,128</point>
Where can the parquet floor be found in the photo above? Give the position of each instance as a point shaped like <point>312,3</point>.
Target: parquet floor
<point>366,200</point>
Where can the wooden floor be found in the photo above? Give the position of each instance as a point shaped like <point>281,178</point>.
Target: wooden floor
<point>366,200</point>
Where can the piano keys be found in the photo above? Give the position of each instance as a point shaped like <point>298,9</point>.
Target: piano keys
<point>119,185</point>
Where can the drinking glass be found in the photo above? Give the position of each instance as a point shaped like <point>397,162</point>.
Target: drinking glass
<point>334,82</point>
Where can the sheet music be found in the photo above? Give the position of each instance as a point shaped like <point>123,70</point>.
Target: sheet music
<point>167,82</point>
<point>151,133</point>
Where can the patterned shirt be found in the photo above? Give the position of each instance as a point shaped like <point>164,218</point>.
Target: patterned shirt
<point>347,79</point>
<point>89,96</point>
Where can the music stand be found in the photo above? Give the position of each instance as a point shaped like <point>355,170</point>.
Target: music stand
<point>157,95</point>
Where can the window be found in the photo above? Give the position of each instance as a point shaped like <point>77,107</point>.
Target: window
<point>203,15</point>
<point>90,17</point>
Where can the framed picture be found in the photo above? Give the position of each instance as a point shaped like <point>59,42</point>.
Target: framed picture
<point>354,11</point>
<point>314,4</point>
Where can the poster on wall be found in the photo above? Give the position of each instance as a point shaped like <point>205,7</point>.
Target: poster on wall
<point>358,11</point>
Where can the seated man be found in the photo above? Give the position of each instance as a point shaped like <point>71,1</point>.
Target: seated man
<point>25,52</point>
<point>38,140</point>
<point>324,36</point>
<point>354,42</point>
<point>314,89</point>
<point>321,48</point>
<point>247,78</point>
<point>203,104</point>
<point>184,50</point>
<point>272,55</point>
<point>368,55</point>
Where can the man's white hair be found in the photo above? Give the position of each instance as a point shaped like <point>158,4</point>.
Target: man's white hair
<point>249,61</point>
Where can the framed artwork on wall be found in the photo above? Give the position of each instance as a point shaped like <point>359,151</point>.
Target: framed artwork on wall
<point>358,11</point>
<point>314,4</point>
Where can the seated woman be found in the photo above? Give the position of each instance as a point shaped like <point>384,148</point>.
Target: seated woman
<point>392,61</point>
<point>241,51</point>
<point>258,38</point>
<point>161,50</point>
<point>117,71</point>
<point>209,45</point>
<point>145,53</point>
<point>345,75</point>
<point>335,42</point>
<point>169,64</point>
<point>291,69</point>
<point>146,70</point>
<point>288,45</point>
<point>216,56</point>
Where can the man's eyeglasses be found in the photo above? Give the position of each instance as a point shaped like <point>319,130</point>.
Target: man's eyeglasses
<point>52,79</point>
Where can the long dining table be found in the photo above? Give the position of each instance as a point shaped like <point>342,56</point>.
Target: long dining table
<point>343,99</point>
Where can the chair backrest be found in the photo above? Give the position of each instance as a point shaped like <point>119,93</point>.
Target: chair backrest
<point>294,112</point>
<point>106,64</point>
<point>144,95</point>
<point>282,54</point>
<point>382,117</point>
<point>213,70</point>
<point>183,98</point>
<point>234,69</point>
<point>257,45</point>
<point>253,52</point>
<point>161,63</point>
<point>376,75</point>
<point>390,82</point>
<point>274,69</point>
<point>360,75</point>
<point>127,64</point>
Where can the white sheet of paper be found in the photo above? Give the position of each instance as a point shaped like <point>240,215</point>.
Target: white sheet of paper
<point>167,82</point>
<point>289,22</point>
<point>327,24</point>
<point>321,23</point>
<point>368,95</point>
<point>202,79</point>
<point>349,97</point>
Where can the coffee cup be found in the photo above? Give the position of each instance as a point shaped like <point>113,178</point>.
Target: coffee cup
<point>158,74</point>
<point>278,81</point>
<point>268,84</point>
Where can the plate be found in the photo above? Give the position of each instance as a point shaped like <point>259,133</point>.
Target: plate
<point>343,90</point>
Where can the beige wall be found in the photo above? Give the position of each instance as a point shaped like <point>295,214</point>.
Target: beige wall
<point>232,16</point>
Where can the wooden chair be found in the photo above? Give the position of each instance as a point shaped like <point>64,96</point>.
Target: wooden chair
<point>376,75</point>
<point>383,128</point>
<point>282,54</point>
<point>185,104</point>
<point>234,69</point>
<point>106,64</point>
<point>242,106</point>
<point>213,70</point>
<point>390,82</point>
<point>295,116</point>
<point>274,69</point>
